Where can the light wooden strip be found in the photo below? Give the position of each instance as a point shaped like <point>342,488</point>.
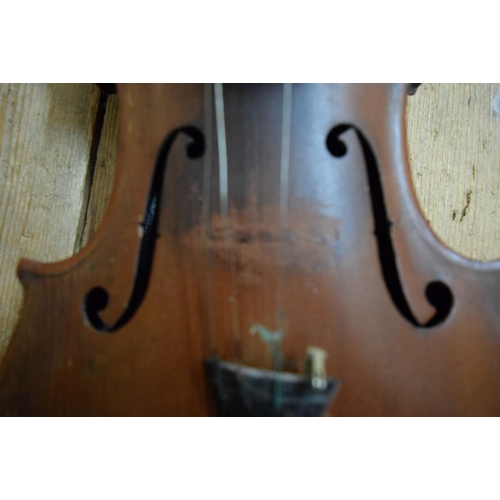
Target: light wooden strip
<point>105,168</point>
<point>454,147</point>
<point>45,133</point>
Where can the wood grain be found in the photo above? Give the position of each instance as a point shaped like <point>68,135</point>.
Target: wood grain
<point>454,147</point>
<point>45,133</point>
<point>343,290</point>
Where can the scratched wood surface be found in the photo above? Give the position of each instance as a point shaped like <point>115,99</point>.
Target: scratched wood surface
<point>54,189</point>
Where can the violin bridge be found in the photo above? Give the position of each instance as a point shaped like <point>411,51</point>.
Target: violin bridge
<point>243,391</point>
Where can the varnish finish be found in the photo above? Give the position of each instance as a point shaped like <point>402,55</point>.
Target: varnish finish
<point>204,295</point>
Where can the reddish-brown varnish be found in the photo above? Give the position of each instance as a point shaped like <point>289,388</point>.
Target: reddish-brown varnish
<point>334,251</point>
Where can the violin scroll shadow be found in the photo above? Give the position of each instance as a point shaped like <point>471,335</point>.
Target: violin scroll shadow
<point>437,293</point>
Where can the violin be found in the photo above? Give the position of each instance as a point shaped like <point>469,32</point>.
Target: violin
<point>263,254</point>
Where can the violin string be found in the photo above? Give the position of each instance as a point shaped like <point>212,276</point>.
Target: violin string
<point>224,206</point>
<point>283,201</point>
<point>207,184</point>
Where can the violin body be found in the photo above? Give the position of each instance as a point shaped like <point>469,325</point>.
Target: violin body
<point>216,230</point>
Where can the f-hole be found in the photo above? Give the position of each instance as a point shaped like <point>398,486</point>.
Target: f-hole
<point>437,293</point>
<point>97,298</point>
